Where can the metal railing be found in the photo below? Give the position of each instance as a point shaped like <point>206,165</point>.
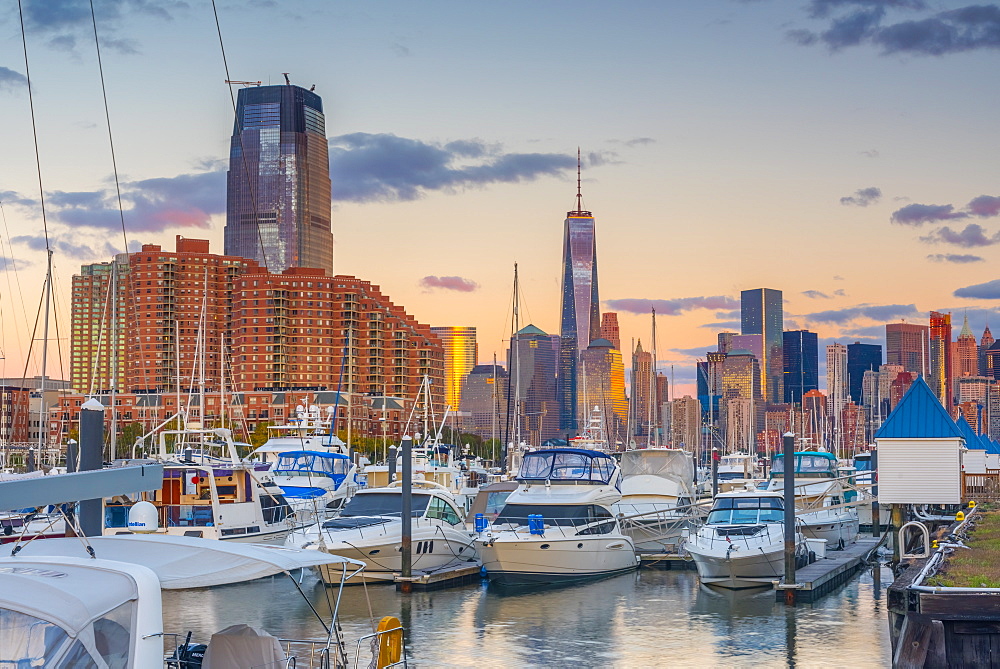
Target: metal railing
<point>374,643</point>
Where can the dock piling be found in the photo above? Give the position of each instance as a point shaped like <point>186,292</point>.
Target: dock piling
<point>788,446</point>
<point>91,459</point>
<point>407,515</point>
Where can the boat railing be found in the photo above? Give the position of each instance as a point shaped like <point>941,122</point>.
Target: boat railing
<point>299,653</point>
<point>734,539</point>
<point>564,527</point>
<point>377,642</point>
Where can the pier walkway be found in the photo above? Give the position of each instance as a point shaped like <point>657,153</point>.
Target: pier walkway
<point>823,576</point>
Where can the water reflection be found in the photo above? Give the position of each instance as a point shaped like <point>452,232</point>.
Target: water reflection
<point>649,618</point>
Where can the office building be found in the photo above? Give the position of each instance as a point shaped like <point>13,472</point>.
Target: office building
<point>965,354</point>
<point>610,329</point>
<point>761,313</point>
<point>800,352</point>
<point>604,370</point>
<point>939,376</point>
<point>861,358</point>
<point>460,355</point>
<point>580,317</point>
<point>984,345</point>
<point>907,345</point>
<point>643,403</point>
<point>836,387</point>
<point>484,401</point>
<point>532,364</point>
<point>685,423</point>
<point>278,185</point>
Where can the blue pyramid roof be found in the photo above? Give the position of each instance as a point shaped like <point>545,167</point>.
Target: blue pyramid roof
<point>919,415</point>
<point>971,438</point>
<point>992,447</point>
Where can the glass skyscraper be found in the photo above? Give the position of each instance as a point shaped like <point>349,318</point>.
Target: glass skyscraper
<point>278,186</point>
<point>801,364</point>
<point>581,316</point>
<point>761,313</point>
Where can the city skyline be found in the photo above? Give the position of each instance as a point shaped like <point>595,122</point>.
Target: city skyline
<point>802,186</point>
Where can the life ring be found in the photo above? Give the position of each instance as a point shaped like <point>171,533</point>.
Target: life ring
<point>390,642</point>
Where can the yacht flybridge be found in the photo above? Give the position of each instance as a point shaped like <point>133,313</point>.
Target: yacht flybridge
<point>558,525</point>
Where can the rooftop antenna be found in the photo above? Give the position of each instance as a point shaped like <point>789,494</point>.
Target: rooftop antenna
<point>287,82</point>
<point>579,192</point>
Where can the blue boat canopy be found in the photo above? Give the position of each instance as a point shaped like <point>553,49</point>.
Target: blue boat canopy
<point>567,464</point>
<point>313,463</point>
<point>807,462</point>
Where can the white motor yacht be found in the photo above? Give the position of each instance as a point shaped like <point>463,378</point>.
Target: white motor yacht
<point>558,525</point>
<point>656,498</point>
<point>736,471</point>
<point>370,528</point>
<point>820,497</point>
<point>742,544</point>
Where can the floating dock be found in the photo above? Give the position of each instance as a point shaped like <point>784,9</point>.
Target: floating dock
<point>665,561</point>
<point>442,578</point>
<point>823,576</point>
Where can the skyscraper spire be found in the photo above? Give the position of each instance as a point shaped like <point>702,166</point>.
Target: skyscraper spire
<point>579,189</point>
<point>966,331</point>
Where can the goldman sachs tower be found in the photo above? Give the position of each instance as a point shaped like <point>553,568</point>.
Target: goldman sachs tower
<point>581,316</point>
<point>278,186</point>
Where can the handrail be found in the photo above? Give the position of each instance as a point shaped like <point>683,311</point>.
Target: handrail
<point>376,636</point>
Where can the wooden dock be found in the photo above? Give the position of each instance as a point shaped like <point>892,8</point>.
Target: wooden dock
<point>665,561</point>
<point>442,578</point>
<point>823,576</point>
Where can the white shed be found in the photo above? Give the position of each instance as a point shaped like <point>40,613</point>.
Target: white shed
<point>919,452</point>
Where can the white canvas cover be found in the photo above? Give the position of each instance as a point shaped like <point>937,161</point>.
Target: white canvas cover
<point>240,646</point>
<point>669,463</point>
<point>190,562</point>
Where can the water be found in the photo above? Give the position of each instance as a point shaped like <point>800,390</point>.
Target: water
<point>649,618</point>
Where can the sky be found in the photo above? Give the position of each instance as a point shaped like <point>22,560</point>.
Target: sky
<point>842,151</point>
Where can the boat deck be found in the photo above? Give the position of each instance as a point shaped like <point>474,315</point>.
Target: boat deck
<point>823,576</point>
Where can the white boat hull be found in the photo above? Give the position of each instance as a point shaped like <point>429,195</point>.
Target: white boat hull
<point>520,558</point>
<point>741,568</point>
<point>838,529</point>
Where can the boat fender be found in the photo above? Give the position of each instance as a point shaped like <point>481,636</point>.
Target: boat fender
<point>481,523</point>
<point>536,525</point>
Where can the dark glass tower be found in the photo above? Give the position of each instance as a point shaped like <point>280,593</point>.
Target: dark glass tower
<point>761,312</point>
<point>800,352</point>
<point>860,359</point>
<point>581,317</point>
<point>278,202</point>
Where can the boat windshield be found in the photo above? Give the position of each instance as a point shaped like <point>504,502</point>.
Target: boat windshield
<point>306,463</point>
<point>863,464</point>
<point>806,463</point>
<point>746,511</point>
<point>566,515</point>
<point>567,465</point>
<point>383,504</point>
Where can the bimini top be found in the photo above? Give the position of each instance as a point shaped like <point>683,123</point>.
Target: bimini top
<point>314,463</point>
<point>807,462</point>
<point>187,562</point>
<point>570,465</point>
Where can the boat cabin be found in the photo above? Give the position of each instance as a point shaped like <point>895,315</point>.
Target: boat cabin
<point>310,464</point>
<point>742,509</point>
<point>567,466</point>
<point>380,505</point>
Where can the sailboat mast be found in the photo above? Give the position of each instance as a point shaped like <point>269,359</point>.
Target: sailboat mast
<point>113,288</point>
<point>517,356</point>
<point>43,419</point>
<point>654,431</point>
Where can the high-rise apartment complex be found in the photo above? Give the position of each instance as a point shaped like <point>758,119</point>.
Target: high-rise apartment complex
<point>836,379</point>
<point>278,186</point>
<point>580,320</point>
<point>939,377</point>
<point>800,353</point>
<point>643,397</point>
<point>460,355</point>
<point>761,312</point>
<point>860,359</point>
<point>97,351</point>
<point>907,344</point>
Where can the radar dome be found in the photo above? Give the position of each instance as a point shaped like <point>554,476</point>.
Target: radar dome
<point>143,518</point>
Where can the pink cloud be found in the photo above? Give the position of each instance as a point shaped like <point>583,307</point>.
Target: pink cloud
<point>456,283</point>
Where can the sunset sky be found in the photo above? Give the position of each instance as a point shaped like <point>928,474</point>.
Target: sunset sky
<point>843,151</point>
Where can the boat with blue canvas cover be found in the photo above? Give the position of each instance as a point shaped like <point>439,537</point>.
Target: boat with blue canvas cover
<point>315,483</point>
<point>558,526</point>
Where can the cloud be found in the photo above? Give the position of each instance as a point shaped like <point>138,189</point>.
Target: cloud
<point>861,22</point>
<point>870,153</point>
<point>11,80</point>
<point>722,325</point>
<point>954,257</point>
<point>382,167</point>
<point>985,206</point>
<point>71,245</point>
<point>697,351</point>
<point>918,214</point>
<point>981,291</point>
<point>455,283</point>
<point>863,197</point>
<point>815,295</point>
<point>840,292</point>
<point>671,307</point>
<point>63,21</point>
<point>11,197</point>
<point>878,312</point>
<point>635,141</point>
<point>150,205</point>
<point>972,236</point>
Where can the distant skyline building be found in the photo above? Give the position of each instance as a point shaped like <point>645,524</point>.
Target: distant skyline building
<point>642,400</point>
<point>580,319</point>
<point>531,360</point>
<point>984,345</point>
<point>461,352</point>
<point>939,376</point>
<point>836,379</point>
<point>860,359</point>
<point>484,401</point>
<point>278,184</point>
<point>604,388</point>
<point>610,329</point>
<point>97,350</point>
<point>762,312</point>
<point>965,355</point>
<point>800,352</point>
<point>907,344</point>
